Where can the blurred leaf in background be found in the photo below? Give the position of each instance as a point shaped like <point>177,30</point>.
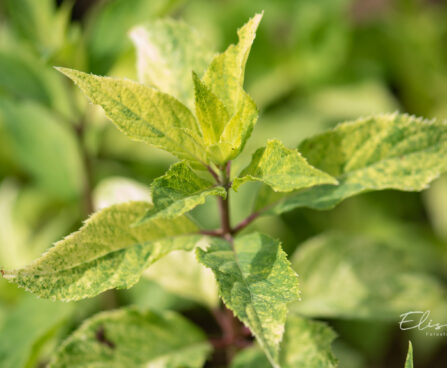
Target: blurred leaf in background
<point>28,329</point>
<point>354,277</point>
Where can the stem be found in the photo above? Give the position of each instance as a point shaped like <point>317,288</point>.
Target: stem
<point>224,204</point>
<point>214,174</point>
<point>224,209</point>
<point>228,171</point>
<point>247,221</point>
<point>88,180</point>
<point>234,334</point>
<point>211,232</point>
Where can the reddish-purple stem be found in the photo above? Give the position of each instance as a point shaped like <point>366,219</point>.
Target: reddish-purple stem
<point>211,232</point>
<point>244,223</point>
<point>214,174</point>
<point>234,334</point>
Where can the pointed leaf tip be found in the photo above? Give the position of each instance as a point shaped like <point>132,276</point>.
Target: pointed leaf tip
<point>388,151</point>
<point>144,114</point>
<point>283,169</point>
<point>409,360</point>
<point>107,250</point>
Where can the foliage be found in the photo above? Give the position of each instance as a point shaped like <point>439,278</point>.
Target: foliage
<point>306,343</point>
<point>106,252</point>
<point>409,361</point>
<point>256,282</point>
<point>362,261</point>
<point>119,338</point>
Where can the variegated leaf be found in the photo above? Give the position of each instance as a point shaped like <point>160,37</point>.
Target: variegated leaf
<point>107,252</point>
<point>256,282</point>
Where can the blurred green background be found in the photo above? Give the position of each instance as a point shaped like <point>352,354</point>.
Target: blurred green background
<point>314,63</point>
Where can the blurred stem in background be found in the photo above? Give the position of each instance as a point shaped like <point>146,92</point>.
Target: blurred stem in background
<point>80,129</point>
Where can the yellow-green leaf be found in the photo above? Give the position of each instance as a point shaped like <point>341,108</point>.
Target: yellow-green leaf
<point>381,152</point>
<point>282,169</point>
<point>108,24</point>
<point>224,79</point>
<point>236,132</point>
<point>211,112</point>
<point>256,282</point>
<point>168,51</point>
<point>134,338</point>
<point>239,128</point>
<point>144,114</point>
<point>306,343</point>
<point>409,360</point>
<point>225,74</point>
<point>340,278</point>
<point>107,252</point>
<point>179,191</point>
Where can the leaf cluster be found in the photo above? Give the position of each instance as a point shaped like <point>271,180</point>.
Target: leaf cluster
<point>194,106</point>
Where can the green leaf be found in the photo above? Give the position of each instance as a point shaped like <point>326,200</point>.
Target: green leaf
<point>27,226</point>
<point>144,114</point>
<point>40,22</point>
<point>108,26</point>
<point>382,152</point>
<point>25,76</point>
<point>225,74</point>
<point>179,191</point>
<point>306,343</point>
<point>28,325</point>
<point>168,51</point>
<point>409,360</point>
<point>340,278</point>
<point>225,139</point>
<point>435,200</point>
<point>107,252</point>
<point>211,112</point>
<point>186,277</point>
<point>224,79</point>
<point>256,282</point>
<point>134,338</point>
<point>252,357</point>
<point>237,131</point>
<point>282,169</point>
<point>45,148</point>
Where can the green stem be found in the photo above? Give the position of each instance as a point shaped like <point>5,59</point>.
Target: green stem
<point>88,172</point>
